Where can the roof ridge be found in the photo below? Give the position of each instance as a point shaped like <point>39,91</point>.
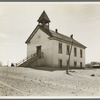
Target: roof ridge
<point>52,33</point>
<point>60,34</point>
<point>64,36</point>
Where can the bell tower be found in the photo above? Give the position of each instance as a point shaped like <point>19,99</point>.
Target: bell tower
<point>44,20</point>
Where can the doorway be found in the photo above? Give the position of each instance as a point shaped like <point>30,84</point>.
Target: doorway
<point>60,63</point>
<point>38,50</point>
<point>80,64</point>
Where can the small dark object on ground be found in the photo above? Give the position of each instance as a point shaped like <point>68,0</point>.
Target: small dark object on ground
<point>12,64</point>
<point>93,75</point>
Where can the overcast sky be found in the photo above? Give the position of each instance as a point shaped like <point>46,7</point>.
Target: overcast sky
<point>18,20</point>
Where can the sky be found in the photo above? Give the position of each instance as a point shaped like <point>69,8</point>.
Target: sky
<point>18,20</point>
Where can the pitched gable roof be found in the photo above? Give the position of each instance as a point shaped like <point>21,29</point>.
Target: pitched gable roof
<point>65,38</point>
<point>54,35</point>
<point>35,30</point>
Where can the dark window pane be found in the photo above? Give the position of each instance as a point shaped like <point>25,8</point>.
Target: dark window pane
<point>68,49</point>
<point>81,64</point>
<point>75,52</point>
<point>75,63</point>
<point>60,48</point>
<point>81,53</point>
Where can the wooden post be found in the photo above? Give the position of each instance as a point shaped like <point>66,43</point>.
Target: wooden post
<point>68,63</point>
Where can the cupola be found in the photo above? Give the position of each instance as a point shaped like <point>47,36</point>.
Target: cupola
<point>44,20</point>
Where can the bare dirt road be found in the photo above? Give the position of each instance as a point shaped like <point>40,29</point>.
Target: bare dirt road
<point>17,81</point>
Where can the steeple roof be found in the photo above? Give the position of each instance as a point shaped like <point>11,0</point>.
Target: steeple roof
<point>43,18</point>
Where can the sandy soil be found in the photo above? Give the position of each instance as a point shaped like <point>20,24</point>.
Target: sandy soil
<point>17,81</point>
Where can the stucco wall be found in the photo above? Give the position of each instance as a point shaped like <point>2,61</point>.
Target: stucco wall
<point>64,57</point>
<point>41,39</point>
<point>50,51</point>
<point>78,59</point>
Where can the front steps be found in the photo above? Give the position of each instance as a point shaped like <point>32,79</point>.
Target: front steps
<point>27,62</point>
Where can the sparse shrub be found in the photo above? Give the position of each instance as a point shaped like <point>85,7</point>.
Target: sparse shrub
<point>24,76</point>
<point>88,66</point>
<point>91,64</point>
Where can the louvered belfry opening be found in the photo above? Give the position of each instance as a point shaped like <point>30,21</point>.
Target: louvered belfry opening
<point>44,20</point>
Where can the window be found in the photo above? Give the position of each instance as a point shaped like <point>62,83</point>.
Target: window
<point>68,49</point>
<point>81,64</point>
<point>60,63</point>
<point>75,63</point>
<point>75,52</point>
<point>60,48</point>
<point>81,53</point>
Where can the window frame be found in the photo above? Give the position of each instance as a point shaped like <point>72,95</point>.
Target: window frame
<point>75,52</point>
<point>60,48</point>
<point>60,66</point>
<point>75,63</point>
<point>68,50</point>
<point>81,64</point>
<point>81,53</point>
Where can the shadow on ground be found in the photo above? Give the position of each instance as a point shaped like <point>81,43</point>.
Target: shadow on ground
<point>51,68</point>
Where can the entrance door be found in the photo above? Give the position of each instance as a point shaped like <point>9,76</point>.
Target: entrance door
<point>60,63</point>
<point>38,49</point>
<point>80,64</point>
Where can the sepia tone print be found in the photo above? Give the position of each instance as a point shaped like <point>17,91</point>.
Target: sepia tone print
<point>49,49</point>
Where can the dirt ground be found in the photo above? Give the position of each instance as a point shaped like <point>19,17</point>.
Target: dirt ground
<point>18,81</point>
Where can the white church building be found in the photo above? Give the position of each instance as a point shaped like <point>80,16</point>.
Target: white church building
<point>46,47</point>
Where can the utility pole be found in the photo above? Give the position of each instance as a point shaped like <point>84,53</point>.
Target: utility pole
<point>68,63</point>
